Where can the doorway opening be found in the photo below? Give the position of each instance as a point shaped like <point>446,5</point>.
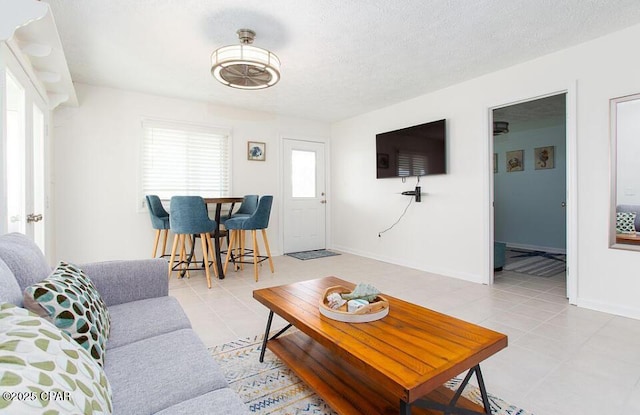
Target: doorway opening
<point>530,193</point>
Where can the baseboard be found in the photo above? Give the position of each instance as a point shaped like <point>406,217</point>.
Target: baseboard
<point>631,312</point>
<point>433,270</point>
<point>548,249</point>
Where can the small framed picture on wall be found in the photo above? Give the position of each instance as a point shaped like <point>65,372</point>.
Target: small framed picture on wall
<point>545,157</point>
<point>515,161</point>
<point>256,151</point>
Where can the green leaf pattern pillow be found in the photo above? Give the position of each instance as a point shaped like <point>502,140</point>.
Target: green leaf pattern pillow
<point>42,370</point>
<point>69,300</point>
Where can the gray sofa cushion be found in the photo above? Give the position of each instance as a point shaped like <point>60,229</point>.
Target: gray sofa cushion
<point>24,259</point>
<point>124,281</point>
<point>138,320</point>
<point>156,373</point>
<point>222,401</point>
<point>10,291</point>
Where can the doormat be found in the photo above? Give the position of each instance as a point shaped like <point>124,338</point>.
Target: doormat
<point>318,253</point>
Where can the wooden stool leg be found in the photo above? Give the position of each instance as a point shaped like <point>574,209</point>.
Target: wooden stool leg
<point>203,238</point>
<point>174,248</point>
<point>212,255</point>
<point>232,237</point>
<point>155,243</point>
<point>243,241</point>
<point>266,246</point>
<point>164,242</point>
<point>255,253</point>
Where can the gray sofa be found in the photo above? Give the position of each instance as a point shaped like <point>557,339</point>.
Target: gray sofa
<point>154,360</point>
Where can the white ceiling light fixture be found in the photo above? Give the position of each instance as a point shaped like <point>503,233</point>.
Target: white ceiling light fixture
<point>500,127</point>
<point>244,66</point>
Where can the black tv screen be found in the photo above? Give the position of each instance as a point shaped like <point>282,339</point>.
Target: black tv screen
<point>413,151</point>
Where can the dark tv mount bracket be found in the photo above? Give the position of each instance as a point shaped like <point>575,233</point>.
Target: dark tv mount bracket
<point>417,193</point>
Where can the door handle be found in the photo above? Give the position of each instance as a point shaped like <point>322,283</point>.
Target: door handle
<point>32,217</point>
<point>563,204</point>
<point>323,201</point>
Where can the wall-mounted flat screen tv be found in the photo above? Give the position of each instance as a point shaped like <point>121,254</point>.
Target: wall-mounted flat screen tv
<point>413,151</point>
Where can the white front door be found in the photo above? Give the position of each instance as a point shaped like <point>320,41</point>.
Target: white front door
<point>304,196</point>
<point>25,162</point>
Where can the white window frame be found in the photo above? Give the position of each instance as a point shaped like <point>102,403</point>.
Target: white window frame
<point>198,132</point>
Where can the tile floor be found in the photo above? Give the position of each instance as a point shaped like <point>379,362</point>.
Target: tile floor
<point>561,359</point>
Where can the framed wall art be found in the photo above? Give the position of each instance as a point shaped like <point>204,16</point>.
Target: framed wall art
<point>515,160</point>
<point>256,151</point>
<point>544,157</point>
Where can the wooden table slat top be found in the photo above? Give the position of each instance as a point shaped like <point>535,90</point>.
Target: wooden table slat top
<point>410,352</point>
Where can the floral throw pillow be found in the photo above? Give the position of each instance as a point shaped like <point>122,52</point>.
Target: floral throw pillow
<point>43,371</point>
<point>625,222</point>
<point>71,302</point>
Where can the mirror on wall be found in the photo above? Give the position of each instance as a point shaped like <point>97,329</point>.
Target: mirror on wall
<point>625,172</point>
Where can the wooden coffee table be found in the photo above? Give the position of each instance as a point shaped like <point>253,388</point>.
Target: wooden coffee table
<point>383,367</point>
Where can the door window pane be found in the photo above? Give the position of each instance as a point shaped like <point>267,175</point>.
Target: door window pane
<point>15,156</point>
<point>303,173</point>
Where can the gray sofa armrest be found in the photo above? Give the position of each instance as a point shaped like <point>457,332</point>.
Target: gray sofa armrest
<point>121,282</point>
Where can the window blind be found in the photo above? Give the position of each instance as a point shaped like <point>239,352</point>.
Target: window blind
<point>184,159</point>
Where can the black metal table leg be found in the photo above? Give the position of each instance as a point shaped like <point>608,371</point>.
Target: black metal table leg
<point>483,391</point>
<point>266,336</point>
<point>190,256</point>
<point>216,242</point>
<point>451,408</point>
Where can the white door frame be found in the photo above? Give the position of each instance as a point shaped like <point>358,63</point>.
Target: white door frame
<point>327,183</point>
<point>571,188</point>
<point>9,61</point>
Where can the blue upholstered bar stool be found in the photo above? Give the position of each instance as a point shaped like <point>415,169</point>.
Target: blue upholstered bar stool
<point>188,217</point>
<point>246,209</point>
<point>258,220</point>
<point>159,222</point>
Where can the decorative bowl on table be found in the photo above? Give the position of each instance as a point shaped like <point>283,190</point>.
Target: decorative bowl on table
<point>375,310</point>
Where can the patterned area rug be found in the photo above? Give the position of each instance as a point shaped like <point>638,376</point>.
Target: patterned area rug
<point>537,265</point>
<point>319,253</point>
<point>272,388</point>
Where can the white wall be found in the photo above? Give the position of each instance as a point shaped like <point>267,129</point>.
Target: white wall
<point>96,167</point>
<point>447,233</point>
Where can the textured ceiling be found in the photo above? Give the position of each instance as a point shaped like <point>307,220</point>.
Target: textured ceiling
<point>538,109</point>
<point>339,58</point>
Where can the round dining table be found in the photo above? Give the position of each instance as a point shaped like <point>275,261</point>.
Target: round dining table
<point>218,202</point>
